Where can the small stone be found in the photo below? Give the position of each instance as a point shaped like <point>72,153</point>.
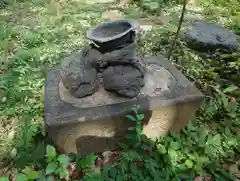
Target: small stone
<point>204,36</point>
<point>106,157</point>
<point>109,157</point>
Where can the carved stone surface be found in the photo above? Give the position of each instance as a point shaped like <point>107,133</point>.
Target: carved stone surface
<point>158,82</point>
<point>208,36</point>
<point>168,104</point>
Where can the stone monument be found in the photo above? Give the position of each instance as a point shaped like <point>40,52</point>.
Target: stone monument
<point>87,98</point>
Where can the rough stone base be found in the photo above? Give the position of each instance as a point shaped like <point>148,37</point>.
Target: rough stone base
<point>96,129</point>
<point>104,135</point>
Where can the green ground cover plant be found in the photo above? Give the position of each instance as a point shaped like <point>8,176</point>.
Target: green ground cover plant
<point>35,35</point>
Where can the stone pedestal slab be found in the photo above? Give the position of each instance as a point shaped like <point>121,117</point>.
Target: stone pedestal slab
<point>97,123</point>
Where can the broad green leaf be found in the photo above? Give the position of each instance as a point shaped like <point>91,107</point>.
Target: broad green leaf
<point>172,153</point>
<point>4,179</point>
<point>201,140</point>
<point>42,176</point>
<point>130,117</point>
<point>232,141</point>
<point>217,140</point>
<point>140,117</point>
<point>51,167</point>
<point>153,5</point>
<point>189,163</point>
<point>86,162</point>
<point>182,167</point>
<point>230,89</point>
<point>120,177</point>
<point>124,166</point>
<point>133,168</point>
<point>20,177</point>
<point>203,160</point>
<point>225,102</point>
<point>214,140</point>
<point>63,159</point>
<point>63,173</point>
<point>131,136</point>
<point>50,179</point>
<point>228,175</point>
<point>175,145</point>
<point>110,179</point>
<point>193,156</point>
<point>131,128</point>
<point>113,172</point>
<point>161,149</point>
<point>31,174</point>
<point>43,132</point>
<point>51,152</point>
<point>124,146</point>
<point>228,131</point>
<point>232,115</point>
<point>106,169</point>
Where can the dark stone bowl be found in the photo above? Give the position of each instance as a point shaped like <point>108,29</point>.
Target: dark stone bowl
<point>112,35</point>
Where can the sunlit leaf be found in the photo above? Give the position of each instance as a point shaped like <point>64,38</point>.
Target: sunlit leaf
<point>86,162</point>
<point>189,163</point>
<point>63,159</point>
<point>161,149</point>
<point>4,179</point>
<point>140,117</point>
<point>51,167</point>
<point>20,177</point>
<point>63,173</point>
<point>175,145</point>
<point>130,117</point>
<point>230,89</point>
<point>51,152</point>
<point>30,173</point>
<point>172,153</point>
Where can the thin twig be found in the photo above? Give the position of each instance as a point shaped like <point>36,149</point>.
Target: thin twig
<point>178,30</point>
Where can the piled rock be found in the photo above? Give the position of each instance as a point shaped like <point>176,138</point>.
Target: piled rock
<point>78,74</point>
<point>122,71</point>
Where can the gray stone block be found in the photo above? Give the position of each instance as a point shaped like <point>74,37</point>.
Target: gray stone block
<point>205,36</point>
<point>97,123</point>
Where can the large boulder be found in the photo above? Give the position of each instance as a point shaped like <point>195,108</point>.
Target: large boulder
<point>204,36</point>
